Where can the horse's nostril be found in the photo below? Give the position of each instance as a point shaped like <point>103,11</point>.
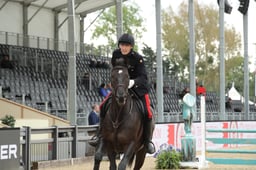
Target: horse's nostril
<point>121,100</point>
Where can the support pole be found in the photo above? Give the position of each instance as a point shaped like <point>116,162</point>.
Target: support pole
<point>246,69</point>
<point>71,104</point>
<point>56,30</point>
<point>82,34</point>
<point>119,15</point>
<point>192,70</point>
<point>222,60</point>
<point>159,65</point>
<point>25,24</point>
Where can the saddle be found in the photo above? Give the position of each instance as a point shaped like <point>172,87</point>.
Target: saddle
<point>138,102</point>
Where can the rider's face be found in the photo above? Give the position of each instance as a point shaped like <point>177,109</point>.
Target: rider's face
<point>125,48</point>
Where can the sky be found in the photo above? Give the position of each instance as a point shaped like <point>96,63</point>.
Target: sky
<point>235,19</point>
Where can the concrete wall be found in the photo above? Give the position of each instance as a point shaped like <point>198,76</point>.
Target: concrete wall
<point>19,111</point>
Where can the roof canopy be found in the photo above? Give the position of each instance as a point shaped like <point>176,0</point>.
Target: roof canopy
<point>83,7</point>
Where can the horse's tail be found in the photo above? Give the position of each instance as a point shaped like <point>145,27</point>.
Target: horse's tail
<point>131,160</point>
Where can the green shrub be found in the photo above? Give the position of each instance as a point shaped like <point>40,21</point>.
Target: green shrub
<point>8,120</point>
<point>168,159</point>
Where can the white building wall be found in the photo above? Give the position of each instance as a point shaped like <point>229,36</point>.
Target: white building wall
<point>42,25</point>
<point>11,17</point>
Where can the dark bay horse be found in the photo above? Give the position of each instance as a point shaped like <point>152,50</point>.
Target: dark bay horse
<point>122,127</point>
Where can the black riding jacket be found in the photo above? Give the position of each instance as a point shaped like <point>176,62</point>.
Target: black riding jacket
<point>136,69</point>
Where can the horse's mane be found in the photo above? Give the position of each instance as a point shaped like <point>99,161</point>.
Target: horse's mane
<point>121,62</point>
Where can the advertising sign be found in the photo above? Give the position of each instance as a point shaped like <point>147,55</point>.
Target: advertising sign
<point>9,148</point>
<point>173,132</point>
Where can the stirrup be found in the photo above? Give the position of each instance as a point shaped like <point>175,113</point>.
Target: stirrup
<point>151,147</point>
<point>94,141</point>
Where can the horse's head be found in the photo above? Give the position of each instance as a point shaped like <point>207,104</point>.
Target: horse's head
<point>120,81</point>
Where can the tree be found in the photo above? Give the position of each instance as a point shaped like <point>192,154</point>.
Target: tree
<point>150,62</point>
<point>106,24</point>
<point>176,41</point>
<point>234,72</point>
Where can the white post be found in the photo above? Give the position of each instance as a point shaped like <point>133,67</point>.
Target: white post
<point>23,99</point>
<point>255,76</point>
<point>1,92</point>
<point>46,106</point>
<point>203,130</point>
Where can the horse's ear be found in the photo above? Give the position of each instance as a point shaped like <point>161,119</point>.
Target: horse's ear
<point>126,61</point>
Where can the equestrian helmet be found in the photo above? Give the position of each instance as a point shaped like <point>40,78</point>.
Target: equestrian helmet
<point>126,38</point>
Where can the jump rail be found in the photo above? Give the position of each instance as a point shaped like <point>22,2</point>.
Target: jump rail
<point>235,161</point>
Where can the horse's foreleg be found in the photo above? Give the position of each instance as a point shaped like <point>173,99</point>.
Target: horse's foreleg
<point>127,156</point>
<point>96,164</point>
<point>112,160</point>
<point>98,156</point>
<point>140,158</point>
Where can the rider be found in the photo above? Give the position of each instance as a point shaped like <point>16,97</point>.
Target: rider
<point>138,83</point>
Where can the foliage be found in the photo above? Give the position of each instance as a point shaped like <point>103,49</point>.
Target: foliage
<point>234,72</point>
<point>168,158</point>
<point>150,61</point>
<point>176,42</point>
<point>8,120</point>
<point>234,68</point>
<point>149,57</point>
<point>107,22</point>
<point>175,39</point>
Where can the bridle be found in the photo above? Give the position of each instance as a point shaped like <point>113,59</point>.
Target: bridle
<point>116,123</point>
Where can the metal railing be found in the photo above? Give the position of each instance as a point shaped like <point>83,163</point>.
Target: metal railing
<point>54,143</point>
<point>17,39</point>
<point>175,117</point>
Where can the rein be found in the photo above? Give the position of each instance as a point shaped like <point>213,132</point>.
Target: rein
<point>119,85</point>
<point>116,123</point>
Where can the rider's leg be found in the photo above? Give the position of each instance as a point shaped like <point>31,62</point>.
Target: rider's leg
<point>148,126</point>
<point>95,139</point>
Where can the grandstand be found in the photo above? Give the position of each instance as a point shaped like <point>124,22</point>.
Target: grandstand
<point>41,77</point>
<point>39,80</point>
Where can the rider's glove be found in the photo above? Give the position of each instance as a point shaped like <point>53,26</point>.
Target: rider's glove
<point>131,83</point>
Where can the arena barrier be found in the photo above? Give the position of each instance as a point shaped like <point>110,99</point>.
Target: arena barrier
<point>228,143</point>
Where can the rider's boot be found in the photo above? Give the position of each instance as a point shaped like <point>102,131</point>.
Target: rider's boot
<point>96,138</point>
<point>148,137</point>
<point>103,109</point>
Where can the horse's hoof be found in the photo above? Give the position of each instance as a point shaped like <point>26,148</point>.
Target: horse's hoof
<point>121,166</point>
